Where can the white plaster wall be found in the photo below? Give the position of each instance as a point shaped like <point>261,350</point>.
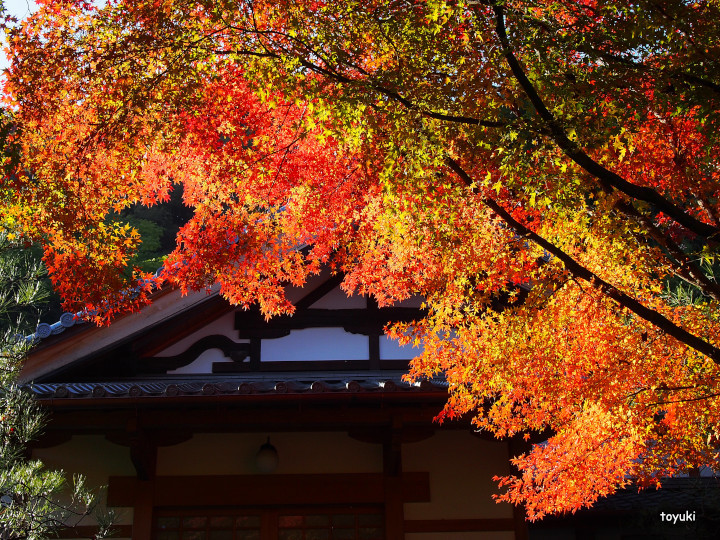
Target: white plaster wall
<point>300,453</point>
<point>96,459</point>
<point>316,344</point>
<point>461,468</point>
<point>90,455</point>
<point>391,350</point>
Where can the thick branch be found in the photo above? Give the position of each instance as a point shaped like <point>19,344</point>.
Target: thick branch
<point>581,158</point>
<point>580,272</point>
<point>686,268</point>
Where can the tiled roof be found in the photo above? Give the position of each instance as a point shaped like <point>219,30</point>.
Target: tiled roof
<point>44,330</point>
<point>69,319</point>
<point>246,384</point>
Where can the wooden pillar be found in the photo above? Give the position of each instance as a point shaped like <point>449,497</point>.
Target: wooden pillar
<point>143,509</point>
<point>392,474</point>
<point>143,449</point>
<point>143,454</point>
<point>255,354</point>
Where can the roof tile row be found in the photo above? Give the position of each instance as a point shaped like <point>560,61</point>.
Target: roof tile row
<point>276,385</point>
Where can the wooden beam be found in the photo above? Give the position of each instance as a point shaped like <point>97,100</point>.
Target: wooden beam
<point>458,525</point>
<point>409,434</point>
<point>374,352</point>
<point>272,489</point>
<point>162,335</point>
<point>235,351</point>
<point>357,321</point>
<point>143,455</point>
<point>217,413</point>
<point>317,293</point>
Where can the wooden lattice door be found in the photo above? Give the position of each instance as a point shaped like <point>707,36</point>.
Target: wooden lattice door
<point>342,523</point>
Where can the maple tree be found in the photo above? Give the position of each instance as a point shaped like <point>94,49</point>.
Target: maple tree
<point>544,173</point>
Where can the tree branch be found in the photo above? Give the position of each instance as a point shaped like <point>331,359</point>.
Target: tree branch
<point>557,133</point>
<point>638,66</point>
<point>580,272</point>
<point>395,96</point>
<point>392,94</point>
<point>686,268</point>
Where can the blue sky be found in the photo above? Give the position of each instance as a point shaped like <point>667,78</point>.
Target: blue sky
<point>19,9</point>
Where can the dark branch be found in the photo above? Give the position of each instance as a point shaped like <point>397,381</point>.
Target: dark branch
<point>685,267</point>
<point>580,272</point>
<point>395,96</point>
<point>557,133</point>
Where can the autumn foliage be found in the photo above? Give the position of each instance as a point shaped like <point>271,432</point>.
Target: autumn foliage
<point>545,174</point>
